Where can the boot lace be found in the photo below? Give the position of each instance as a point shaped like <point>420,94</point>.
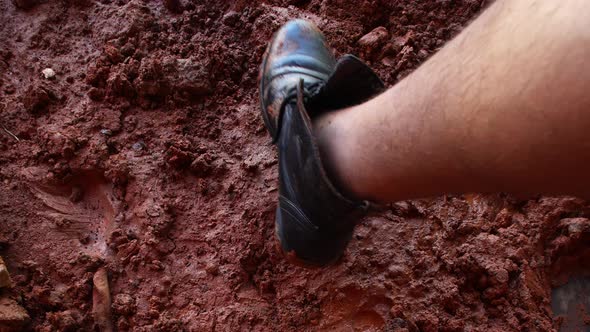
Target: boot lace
<point>291,96</point>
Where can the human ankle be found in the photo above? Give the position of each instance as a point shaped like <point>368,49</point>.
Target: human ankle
<point>331,138</point>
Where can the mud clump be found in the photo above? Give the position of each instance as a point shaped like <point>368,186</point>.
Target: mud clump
<point>373,41</point>
<point>146,156</point>
<point>37,98</point>
<point>174,6</point>
<point>25,4</point>
<point>67,320</point>
<point>12,316</point>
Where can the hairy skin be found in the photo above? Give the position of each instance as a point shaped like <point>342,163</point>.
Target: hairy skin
<point>505,106</point>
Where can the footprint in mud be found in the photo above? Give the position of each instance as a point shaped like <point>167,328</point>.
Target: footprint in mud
<point>357,308</point>
<point>83,208</point>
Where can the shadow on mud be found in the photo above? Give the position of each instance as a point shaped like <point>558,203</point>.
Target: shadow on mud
<point>570,282</point>
<point>571,304</point>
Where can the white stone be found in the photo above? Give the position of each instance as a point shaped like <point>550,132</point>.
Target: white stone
<point>48,73</point>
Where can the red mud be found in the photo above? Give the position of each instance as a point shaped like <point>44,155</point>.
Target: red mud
<point>146,157</point>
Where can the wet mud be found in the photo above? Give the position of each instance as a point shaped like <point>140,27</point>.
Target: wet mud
<point>138,185</point>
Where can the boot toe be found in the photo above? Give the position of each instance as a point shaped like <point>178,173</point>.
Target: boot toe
<point>298,51</point>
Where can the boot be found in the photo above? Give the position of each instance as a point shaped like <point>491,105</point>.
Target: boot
<point>300,79</point>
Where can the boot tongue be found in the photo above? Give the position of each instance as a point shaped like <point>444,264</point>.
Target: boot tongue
<point>351,83</point>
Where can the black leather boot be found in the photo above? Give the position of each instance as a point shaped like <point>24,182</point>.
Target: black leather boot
<point>299,80</point>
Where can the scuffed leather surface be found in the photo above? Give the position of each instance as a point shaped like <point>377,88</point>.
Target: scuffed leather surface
<point>313,219</point>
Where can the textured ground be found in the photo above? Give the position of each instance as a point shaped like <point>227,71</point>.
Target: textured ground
<point>144,162</point>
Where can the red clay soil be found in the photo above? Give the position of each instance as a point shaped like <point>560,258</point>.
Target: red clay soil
<point>142,170</point>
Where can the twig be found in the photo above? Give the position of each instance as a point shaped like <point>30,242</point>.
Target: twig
<point>10,133</point>
<point>101,301</point>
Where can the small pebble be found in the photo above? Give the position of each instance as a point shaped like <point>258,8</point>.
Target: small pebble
<point>138,146</point>
<point>212,268</point>
<point>230,18</point>
<point>106,132</point>
<point>375,38</point>
<point>48,73</point>
<point>76,194</point>
<point>4,276</point>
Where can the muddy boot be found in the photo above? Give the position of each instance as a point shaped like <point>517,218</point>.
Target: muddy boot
<point>299,80</point>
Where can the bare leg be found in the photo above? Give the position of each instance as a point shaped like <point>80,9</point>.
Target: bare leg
<point>505,106</point>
